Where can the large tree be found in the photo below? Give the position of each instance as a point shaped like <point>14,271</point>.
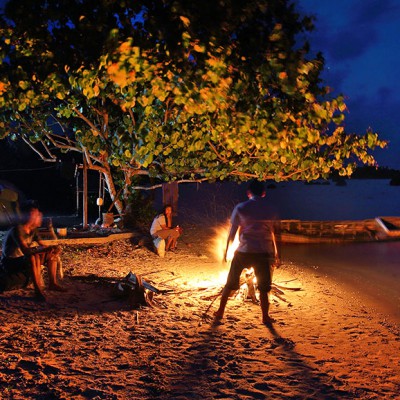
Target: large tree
<point>173,90</point>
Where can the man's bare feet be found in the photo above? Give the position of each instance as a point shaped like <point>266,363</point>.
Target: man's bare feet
<point>57,288</point>
<point>39,296</point>
<point>217,319</point>
<point>268,320</point>
<point>218,315</point>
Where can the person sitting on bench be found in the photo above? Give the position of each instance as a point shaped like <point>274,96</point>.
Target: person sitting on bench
<point>21,259</point>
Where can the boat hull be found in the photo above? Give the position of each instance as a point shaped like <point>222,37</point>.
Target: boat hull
<point>308,232</point>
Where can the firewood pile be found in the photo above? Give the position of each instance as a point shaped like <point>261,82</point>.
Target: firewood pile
<point>248,288</point>
<point>248,291</point>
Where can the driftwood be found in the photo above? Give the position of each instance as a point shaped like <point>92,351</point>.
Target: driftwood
<point>139,292</point>
<point>133,289</point>
<point>286,288</point>
<point>247,285</point>
<point>215,298</point>
<point>134,294</point>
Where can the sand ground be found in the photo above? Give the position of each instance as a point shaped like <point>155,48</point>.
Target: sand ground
<point>88,344</point>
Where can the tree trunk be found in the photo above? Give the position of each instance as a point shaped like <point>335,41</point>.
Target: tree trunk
<point>113,193</point>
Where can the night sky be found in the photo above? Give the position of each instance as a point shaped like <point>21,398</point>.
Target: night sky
<point>360,42</point>
<point>361,46</point>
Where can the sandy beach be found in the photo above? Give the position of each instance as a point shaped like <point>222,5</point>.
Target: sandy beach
<point>327,342</point>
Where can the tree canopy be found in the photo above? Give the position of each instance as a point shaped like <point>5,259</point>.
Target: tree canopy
<point>173,90</point>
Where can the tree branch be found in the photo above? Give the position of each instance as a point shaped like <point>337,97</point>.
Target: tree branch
<point>159,185</point>
<point>89,123</point>
<point>37,151</point>
<point>216,152</point>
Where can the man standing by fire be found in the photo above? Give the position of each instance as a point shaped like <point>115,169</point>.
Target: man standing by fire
<point>258,228</point>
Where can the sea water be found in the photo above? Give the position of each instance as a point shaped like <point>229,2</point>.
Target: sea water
<point>372,269</point>
<point>324,200</point>
<point>358,199</point>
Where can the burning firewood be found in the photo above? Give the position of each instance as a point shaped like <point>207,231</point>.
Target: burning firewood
<point>247,285</point>
<point>248,291</point>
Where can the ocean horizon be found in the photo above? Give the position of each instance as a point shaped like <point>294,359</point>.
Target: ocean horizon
<point>324,200</point>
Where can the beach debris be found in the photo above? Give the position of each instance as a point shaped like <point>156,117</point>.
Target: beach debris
<point>132,288</point>
<point>137,291</point>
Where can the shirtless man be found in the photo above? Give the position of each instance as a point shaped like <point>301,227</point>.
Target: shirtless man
<point>22,258</point>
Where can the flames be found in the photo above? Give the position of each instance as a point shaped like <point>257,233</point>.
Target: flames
<point>248,281</point>
<point>219,242</point>
<point>218,246</point>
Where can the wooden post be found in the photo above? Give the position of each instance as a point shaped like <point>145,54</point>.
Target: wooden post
<point>170,192</point>
<point>77,192</point>
<point>85,195</point>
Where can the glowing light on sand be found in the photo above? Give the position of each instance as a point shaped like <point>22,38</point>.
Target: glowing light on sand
<point>218,249</point>
<point>217,279</point>
<point>218,245</point>
<point>222,277</point>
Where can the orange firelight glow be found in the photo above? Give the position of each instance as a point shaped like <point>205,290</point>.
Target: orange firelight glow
<point>221,236</point>
<point>219,278</point>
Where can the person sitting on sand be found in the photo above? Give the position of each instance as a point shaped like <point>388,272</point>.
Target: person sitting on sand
<point>162,228</point>
<point>21,259</point>
<point>257,225</point>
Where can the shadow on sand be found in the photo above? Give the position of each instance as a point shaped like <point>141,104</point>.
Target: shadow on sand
<point>259,366</point>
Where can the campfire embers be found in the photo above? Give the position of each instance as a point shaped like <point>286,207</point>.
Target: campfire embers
<point>248,286</point>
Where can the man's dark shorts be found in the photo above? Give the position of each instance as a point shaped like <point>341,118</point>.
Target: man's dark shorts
<point>262,270</point>
<point>15,273</point>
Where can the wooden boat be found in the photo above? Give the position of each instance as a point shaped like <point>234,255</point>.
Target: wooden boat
<point>390,228</point>
<point>377,229</point>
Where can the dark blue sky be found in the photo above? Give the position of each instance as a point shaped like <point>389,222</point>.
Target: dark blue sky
<point>360,40</point>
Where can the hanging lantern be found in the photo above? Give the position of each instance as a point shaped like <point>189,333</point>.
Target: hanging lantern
<point>99,201</point>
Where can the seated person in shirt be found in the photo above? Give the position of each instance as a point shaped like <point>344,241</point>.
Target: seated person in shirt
<point>162,228</point>
<point>21,260</point>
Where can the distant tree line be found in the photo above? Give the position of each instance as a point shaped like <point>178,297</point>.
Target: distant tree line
<point>368,172</point>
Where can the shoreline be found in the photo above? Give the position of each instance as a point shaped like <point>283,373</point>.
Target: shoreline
<point>369,270</point>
